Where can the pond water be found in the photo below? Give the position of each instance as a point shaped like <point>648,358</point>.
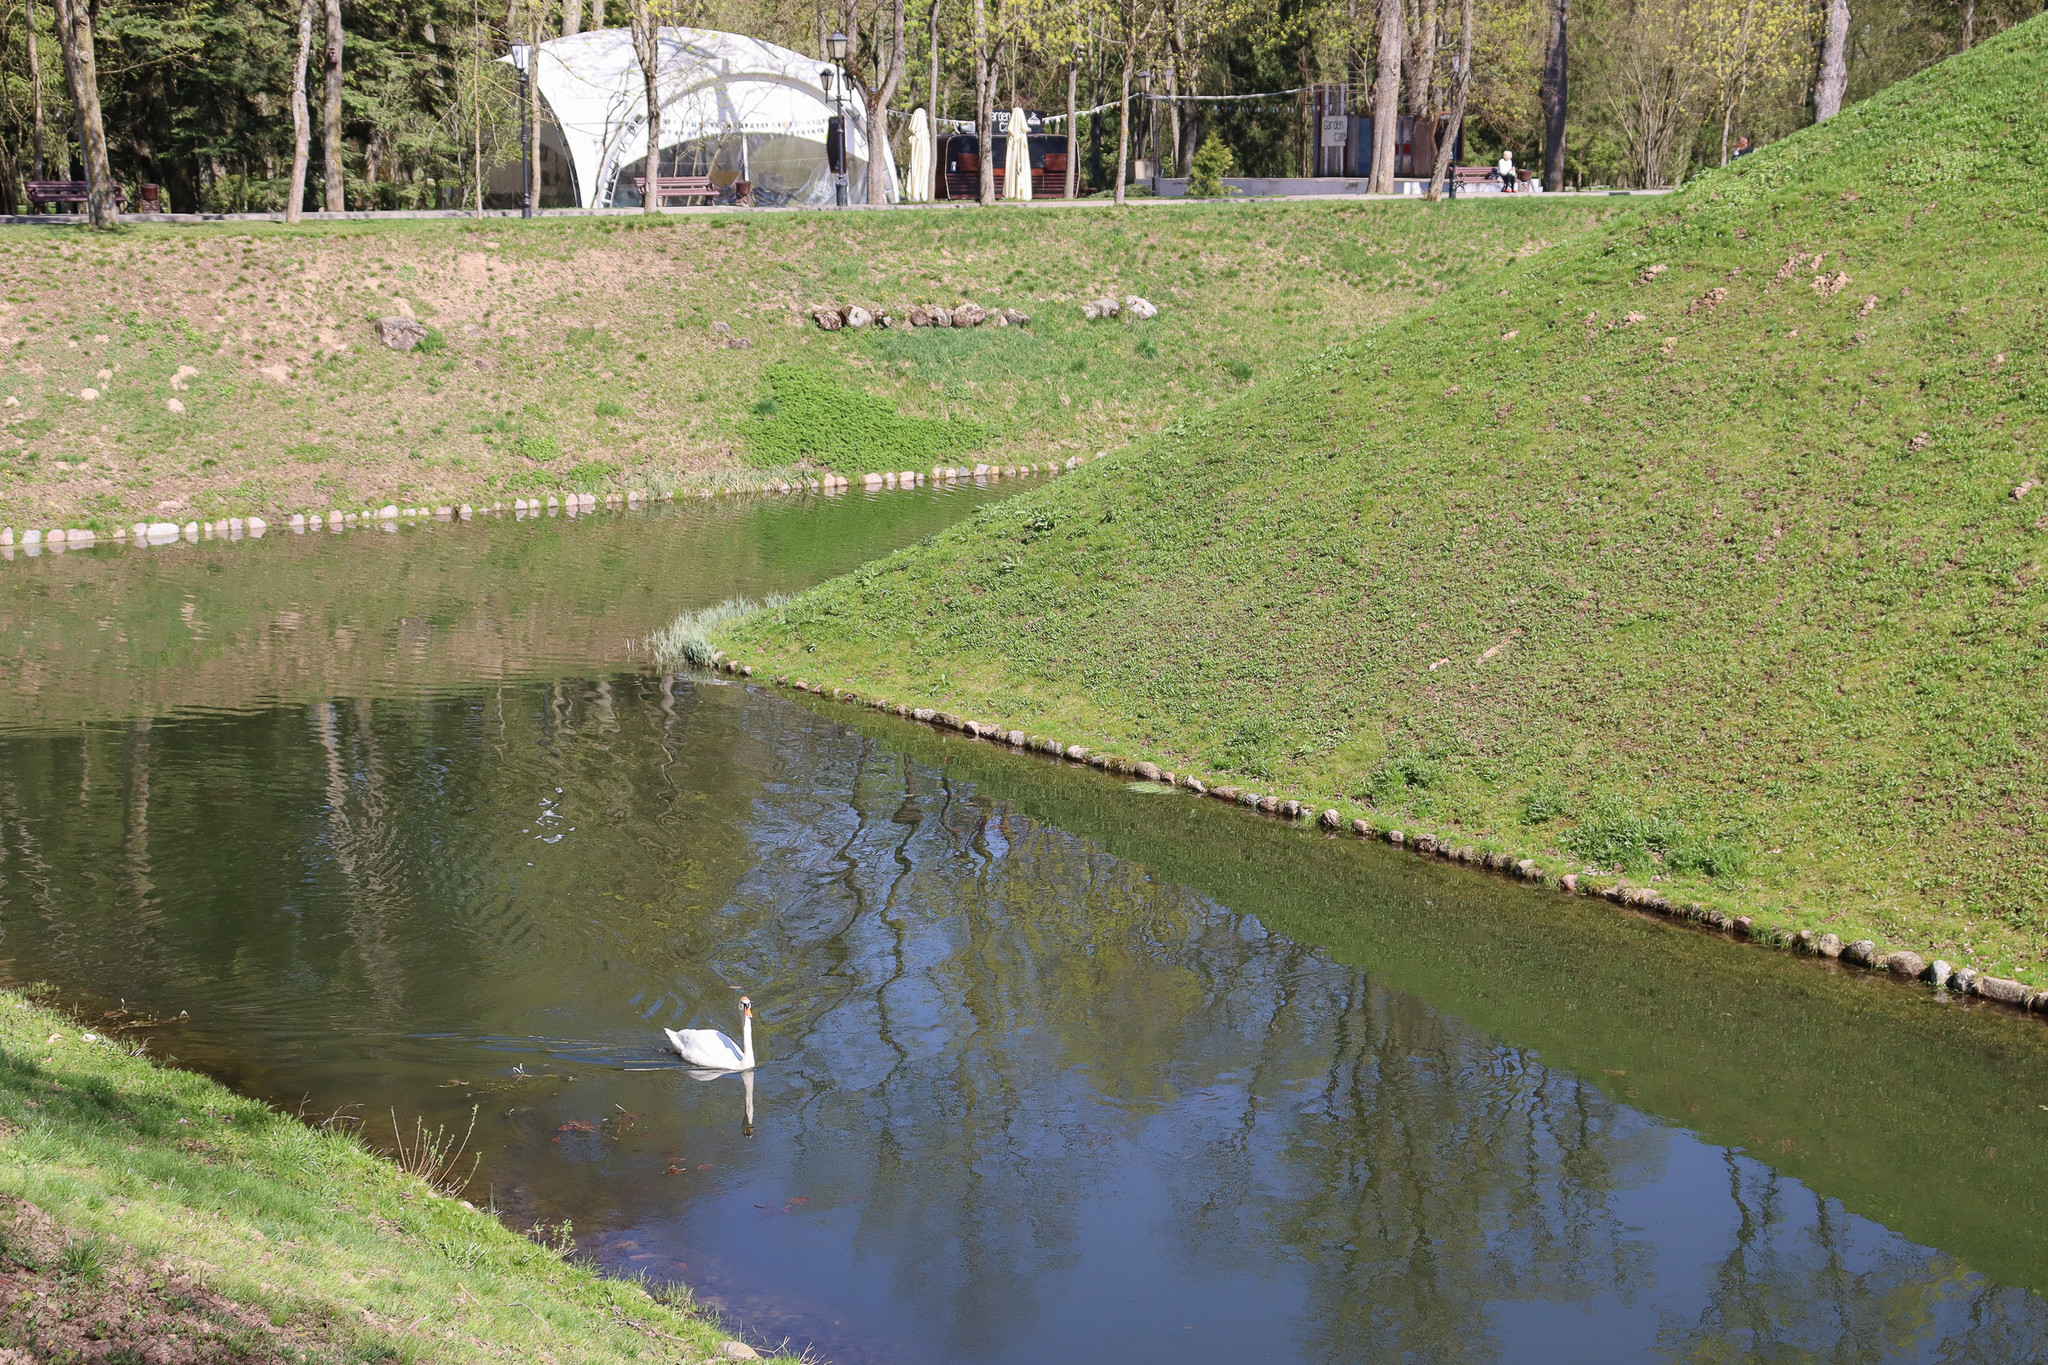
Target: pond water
<point>1053,1069</point>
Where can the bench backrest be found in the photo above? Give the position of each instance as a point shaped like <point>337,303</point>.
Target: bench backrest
<point>66,191</point>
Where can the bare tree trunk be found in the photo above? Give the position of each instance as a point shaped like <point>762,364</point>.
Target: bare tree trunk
<point>81,68</point>
<point>647,47</point>
<point>302,118</point>
<point>932,104</point>
<point>597,14</point>
<point>330,130</point>
<point>1095,172</point>
<point>1386,97</point>
<point>1190,129</point>
<point>35,70</point>
<point>1123,129</point>
<point>984,102</point>
<point>1306,135</point>
<point>1447,141</point>
<point>878,99</point>
<point>1073,123</point>
<point>476,102</point>
<point>1176,57</point>
<point>1422,71</point>
<point>1172,117</point>
<point>572,18</point>
<point>1969,23</point>
<point>1731,99</point>
<point>1834,63</point>
<point>1555,94</point>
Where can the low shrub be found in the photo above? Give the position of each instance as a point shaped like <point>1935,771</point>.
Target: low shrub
<point>1213,160</point>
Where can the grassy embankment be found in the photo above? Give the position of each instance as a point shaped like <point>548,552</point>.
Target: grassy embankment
<point>154,1213</point>
<point>580,354</point>
<point>1688,550</point>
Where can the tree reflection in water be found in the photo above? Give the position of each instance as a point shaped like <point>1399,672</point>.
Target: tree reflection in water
<point>1022,1098</point>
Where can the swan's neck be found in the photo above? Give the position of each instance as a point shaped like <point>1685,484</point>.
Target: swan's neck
<point>747,1041</point>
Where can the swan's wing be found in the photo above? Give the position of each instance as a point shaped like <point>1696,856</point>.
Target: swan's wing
<point>725,1047</point>
<point>706,1047</point>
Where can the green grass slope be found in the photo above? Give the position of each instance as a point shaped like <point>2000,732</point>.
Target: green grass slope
<point>150,1213</point>
<point>1687,549</point>
<point>583,353</point>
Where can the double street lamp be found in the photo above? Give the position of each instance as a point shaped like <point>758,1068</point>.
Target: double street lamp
<point>833,79</point>
<point>522,57</point>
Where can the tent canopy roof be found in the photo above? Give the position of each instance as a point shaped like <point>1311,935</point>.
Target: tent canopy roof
<point>711,85</point>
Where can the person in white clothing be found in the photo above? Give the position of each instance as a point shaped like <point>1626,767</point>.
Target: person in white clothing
<point>1505,171</point>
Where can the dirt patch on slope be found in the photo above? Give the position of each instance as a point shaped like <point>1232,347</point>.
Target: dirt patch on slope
<point>67,1296</point>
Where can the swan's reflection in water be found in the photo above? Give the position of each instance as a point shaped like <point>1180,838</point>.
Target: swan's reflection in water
<point>746,1079</point>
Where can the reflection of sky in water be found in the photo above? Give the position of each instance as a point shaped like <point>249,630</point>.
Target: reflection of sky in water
<point>1022,1100</point>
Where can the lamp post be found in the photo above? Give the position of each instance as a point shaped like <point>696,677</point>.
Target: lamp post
<point>835,46</point>
<point>522,56</point>
<point>835,137</point>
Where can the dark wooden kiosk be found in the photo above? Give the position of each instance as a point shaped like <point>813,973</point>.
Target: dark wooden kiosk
<point>957,168</point>
<point>1344,139</point>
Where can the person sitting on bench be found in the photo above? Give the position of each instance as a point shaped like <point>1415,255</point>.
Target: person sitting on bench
<point>1505,173</point>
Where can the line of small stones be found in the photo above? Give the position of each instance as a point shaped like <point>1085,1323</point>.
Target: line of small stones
<point>1863,953</point>
<point>236,528</point>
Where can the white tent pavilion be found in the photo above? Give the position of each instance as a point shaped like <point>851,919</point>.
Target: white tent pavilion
<point>732,108</point>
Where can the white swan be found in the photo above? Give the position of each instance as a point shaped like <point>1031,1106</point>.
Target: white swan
<point>712,1050</point>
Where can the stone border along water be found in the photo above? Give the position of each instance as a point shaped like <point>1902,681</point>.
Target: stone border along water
<point>238,528</point>
<point>1863,953</point>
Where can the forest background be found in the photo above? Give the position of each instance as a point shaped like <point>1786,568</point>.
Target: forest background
<point>198,95</point>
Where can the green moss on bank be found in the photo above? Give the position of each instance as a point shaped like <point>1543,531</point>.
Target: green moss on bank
<point>808,416</point>
<point>1692,550</point>
<point>351,1258</point>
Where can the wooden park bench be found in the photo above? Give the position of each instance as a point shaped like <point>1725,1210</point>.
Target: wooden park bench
<point>61,192</point>
<point>41,192</point>
<point>670,187</point>
<point>1464,177</point>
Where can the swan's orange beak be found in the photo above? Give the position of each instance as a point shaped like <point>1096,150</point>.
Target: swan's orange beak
<point>746,1005</point>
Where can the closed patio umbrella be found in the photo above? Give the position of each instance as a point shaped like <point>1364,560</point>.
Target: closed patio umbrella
<point>1017,159</point>
<point>919,190</point>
